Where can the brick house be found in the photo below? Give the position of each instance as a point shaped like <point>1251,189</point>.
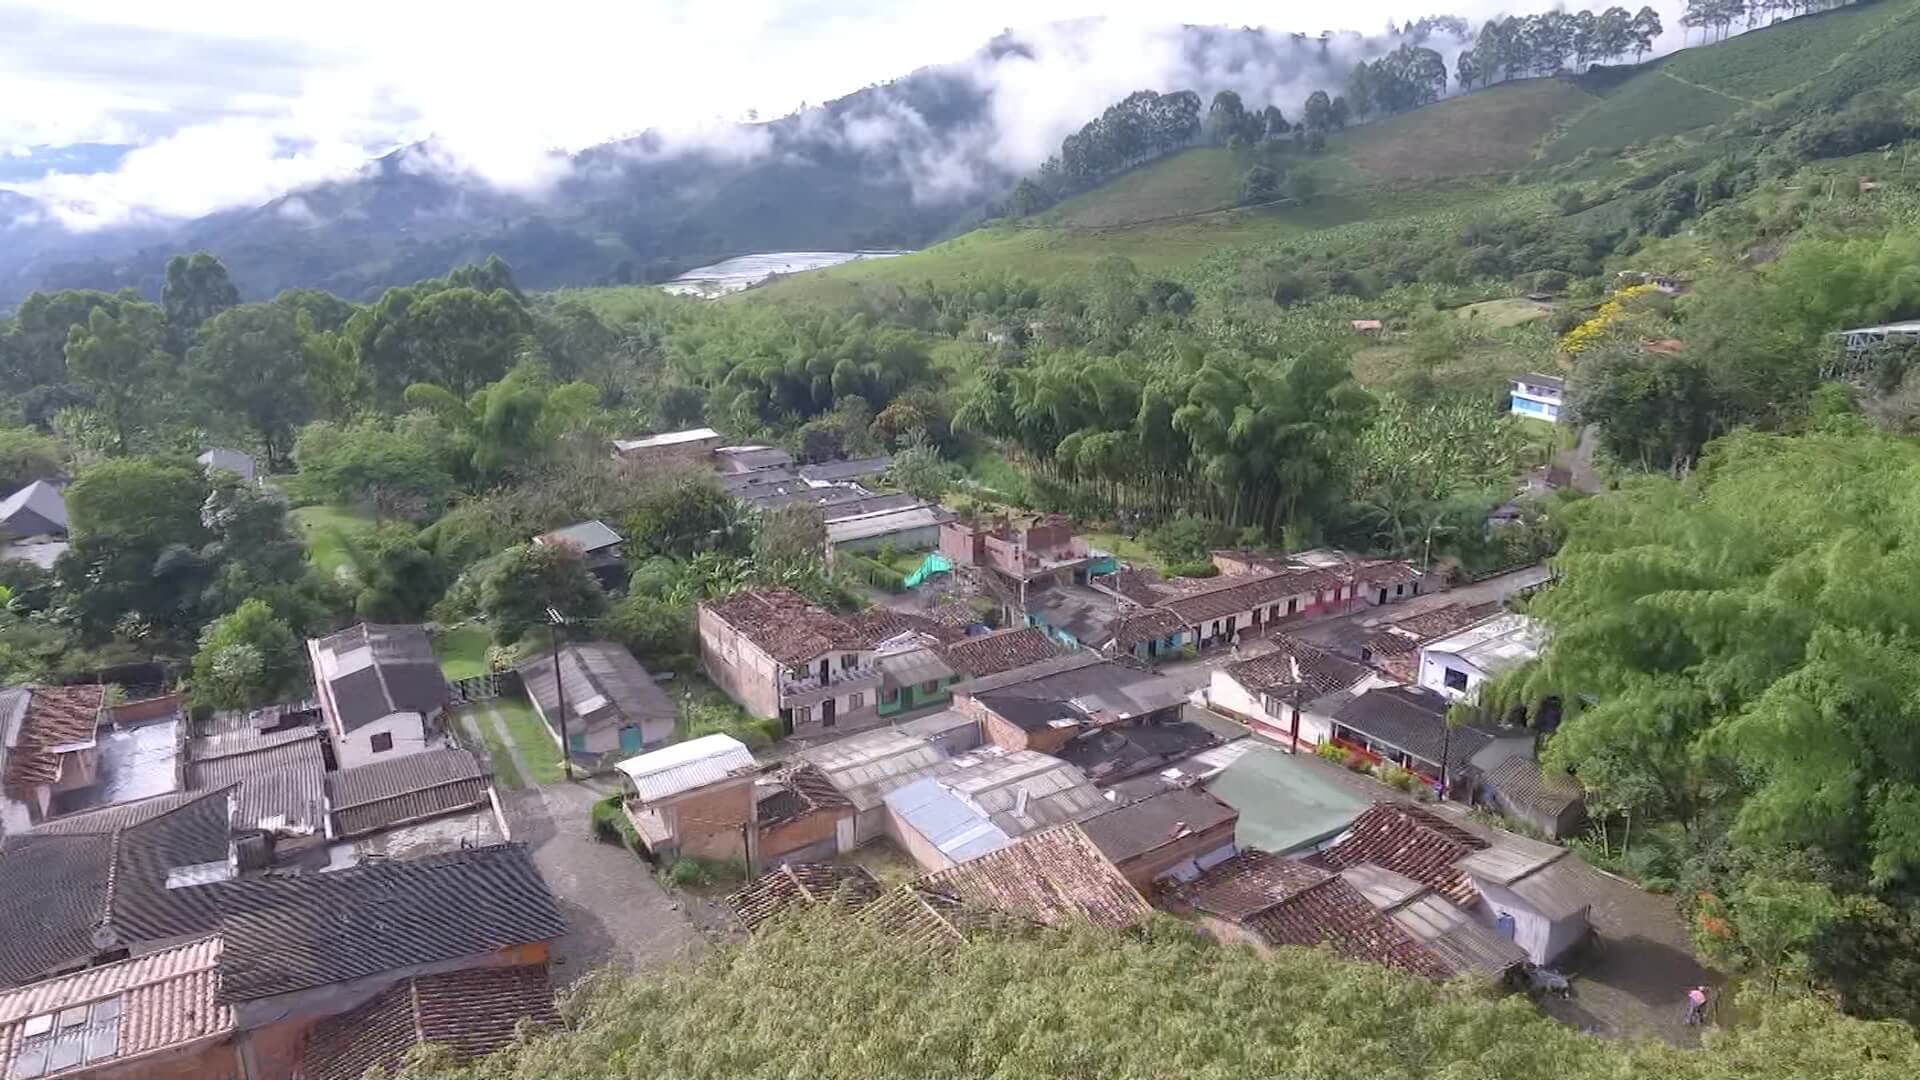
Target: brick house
<point>694,798</point>
<point>1174,835</point>
<point>51,747</point>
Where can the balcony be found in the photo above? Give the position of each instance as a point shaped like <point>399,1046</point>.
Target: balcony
<point>810,690</point>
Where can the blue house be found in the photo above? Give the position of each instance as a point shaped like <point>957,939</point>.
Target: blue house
<point>1539,396</point>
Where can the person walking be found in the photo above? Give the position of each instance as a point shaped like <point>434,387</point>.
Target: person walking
<point>1696,1006</point>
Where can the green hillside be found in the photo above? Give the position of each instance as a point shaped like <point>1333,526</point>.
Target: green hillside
<point>1490,132</point>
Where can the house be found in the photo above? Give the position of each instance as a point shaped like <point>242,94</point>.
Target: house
<point>1456,665</point>
<point>1537,894</point>
<point>381,691</point>
<point>1217,611</point>
<point>1054,878</point>
<point>694,446</point>
<point>1290,694</point>
<point>411,807</point>
<point>601,547</point>
<point>300,951</point>
<point>850,470</point>
<point>914,674</point>
<point>799,816</point>
<point>223,459</point>
<point>613,706</point>
<point>1454,937</point>
<point>1000,651</point>
<point>779,655</point>
<point>1263,900</point>
<point>981,801</point>
<point>157,1015</point>
<point>1408,726</point>
<point>1037,551</point>
<point>1864,340</point>
<point>1532,893</point>
<point>86,888</point>
<point>1174,835</point>
<point>467,1014</point>
<point>693,798</point>
<point>1113,753</point>
<point>864,768</point>
<point>796,885</point>
<point>1394,647</point>
<point>1044,706</point>
<point>1546,799</point>
<point>1087,617</point>
<point>37,510</point>
<point>1542,397</point>
<point>911,528</point>
<point>1286,806</point>
<point>1365,327</point>
<point>279,784</point>
<point>51,736</point>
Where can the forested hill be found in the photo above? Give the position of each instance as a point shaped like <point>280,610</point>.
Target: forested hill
<point>895,165</point>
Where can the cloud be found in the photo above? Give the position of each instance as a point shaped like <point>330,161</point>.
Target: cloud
<point>232,102</point>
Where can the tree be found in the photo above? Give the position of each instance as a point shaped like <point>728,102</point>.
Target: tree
<point>250,363</point>
<point>136,535</point>
<point>919,470</point>
<point>793,533</point>
<point>247,658</point>
<point>1261,184</point>
<point>120,361</point>
<point>1338,113</point>
<point>532,579</point>
<point>1317,114</point>
<point>26,456</point>
<point>33,350</point>
<point>398,578</point>
<point>1646,29</point>
<point>197,288</point>
<point>1226,117</point>
<point>684,513</point>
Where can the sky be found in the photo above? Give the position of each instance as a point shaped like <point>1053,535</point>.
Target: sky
<point>233,103</point>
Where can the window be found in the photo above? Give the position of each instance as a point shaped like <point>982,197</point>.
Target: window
<point>1399,590</point>
<point>382,741</point>
<point>576,742</point>
<point>890,695</point>
<point>1455,679</point>
<point>847,660</point>
<point>802,714</point>
<point>855,701</point>
<point>931,686</point>
<point>56,1042</point>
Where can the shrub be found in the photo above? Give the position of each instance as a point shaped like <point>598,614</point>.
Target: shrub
<point>692,871</point>
<point>1332,752</point>
<point>1394,776</point>
<point>610,825</point>
<point>1358,762</point>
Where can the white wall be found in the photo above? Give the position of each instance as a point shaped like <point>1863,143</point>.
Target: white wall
<point>1543,939</point>
<point>1433,672</point>
<point>409,733</point>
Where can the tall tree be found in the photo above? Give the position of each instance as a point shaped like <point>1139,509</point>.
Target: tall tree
<point>247,658</point>
<point>122,362</point>
<point>532,579</point>
<point>1226,117</point>
<point>250,363</point>
<point>1317,113</point>
<point>197,288</point>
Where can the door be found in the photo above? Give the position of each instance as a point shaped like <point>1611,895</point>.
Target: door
<point>629,740</point>
<point>826,712</point>
<point>1256,618</point>
<point>1383,595</point>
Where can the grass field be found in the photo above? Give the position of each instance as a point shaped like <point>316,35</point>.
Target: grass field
<point>1132,551</point>
<point>462,651</point>
<point>531,738</point>
<point>1768,61</point>
<point>1501,314</point>
<point>325,529</point>
<point>1644,108</point>
<point>1490,131</point>
<point>1202,179</point>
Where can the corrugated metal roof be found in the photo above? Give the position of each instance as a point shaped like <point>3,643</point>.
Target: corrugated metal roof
<point>1455,938</point>
<point>884,523</point>
<point>1557,890</point>
<point>1382,887</point>
<point>958,829</point>
<point>1509,858</point>
<point>586,535</point>
<point>867,766</point>
<point>685,766</point>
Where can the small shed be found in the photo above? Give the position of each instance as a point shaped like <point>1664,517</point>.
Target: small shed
<point>224,459</point>
<point>613,705</point>
<point>35,510</point>
<point>1537,895</point>
<point>1548,800</point>
<point>1366,327</point>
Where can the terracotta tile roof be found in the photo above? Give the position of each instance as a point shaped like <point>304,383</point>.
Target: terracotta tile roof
<point>1134,584</point>
<point>804,789</point>
<point>785,625</point>
<point>1296,663</point>
<point>167,998</point>
<point>1053,877</point>
<point>877,624</point>
<point>1334,913</point>
<point>55,716</point>
<point>1410,841</point>
<point>287,934</point>
<point>1132,628</point>
<point>1408,634</point>
<point>1246,884</point>
<point>382,794</point>
<point>1001,651</point>
<point>473,1012</point>
<point>1386,572</point>
<point>1243,592</point>
<point>67,891</point>
<point>802,884</point>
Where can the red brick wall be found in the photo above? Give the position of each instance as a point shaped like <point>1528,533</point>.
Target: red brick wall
<point>708,822</point>
<point>1141,871</point>
<point>208,1061</point>
<point>147,708</point>
<point>796,833</point>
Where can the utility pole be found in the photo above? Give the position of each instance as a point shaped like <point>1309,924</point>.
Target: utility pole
<point>555,621</point>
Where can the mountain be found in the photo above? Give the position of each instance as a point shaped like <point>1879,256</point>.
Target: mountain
<point>895,165</point>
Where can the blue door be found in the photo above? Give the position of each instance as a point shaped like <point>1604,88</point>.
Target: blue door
<point>629,740</point>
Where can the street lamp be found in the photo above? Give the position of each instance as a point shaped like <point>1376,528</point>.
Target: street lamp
<point>555,621</point>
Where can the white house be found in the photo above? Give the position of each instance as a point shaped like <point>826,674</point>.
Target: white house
<point>1290,694</point>
<point>1539,396</point>
<point>1456,665</point>
<point>1535,894</point>
<point>381,692</point>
